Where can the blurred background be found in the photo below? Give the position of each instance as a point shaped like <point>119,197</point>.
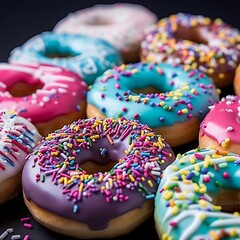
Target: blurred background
<point>21,20</point>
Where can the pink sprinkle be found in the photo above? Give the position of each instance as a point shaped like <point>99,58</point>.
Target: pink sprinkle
<point>136,115</point>
<point>191,74</point>
<point>26,237</point>
<point>226,175</point>
<point>102,95</point>
<point>28,225</point>
<point>198,156</point>
<point>117,85</point>
<point>206,179</point>
<point>26,219</point>
<point>173,224</point>
<point>124,109</point>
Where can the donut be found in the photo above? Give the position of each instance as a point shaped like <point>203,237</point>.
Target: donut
<point>236,81</point>
<point>99,173</point>
<point>169,99</point>
<point>191,190</point>
<point>88,57</point>
<point>196,41</point>
<point>220,127</point>
<point>18,138</point>
<point>48,96</point>
<point>122,25</point>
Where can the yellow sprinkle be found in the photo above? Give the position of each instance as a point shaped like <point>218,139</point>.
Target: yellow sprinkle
<point>185,110</point>
<point>233,232</point>
<point>181,196</point>
<point>175,210</point>
<point>100,178</point>
<point>217,208</point>
<point>131,178</point>
<point>150,183</point>
<point>81,187</point>
<point>94,136</point>
<point>61,180</point>
<point>210,70</point>
<point>214,235</point>
<point>192,160</point>
<point>80,140</point>
<point>237,214</point>
<point>135,70</point>
<point>167,195</point>
<point>202,203</point>
<point>175,168</point>
<point>202,216</point>
<point>54,153</point>
<point>102,188</point>
<point>184,172</point>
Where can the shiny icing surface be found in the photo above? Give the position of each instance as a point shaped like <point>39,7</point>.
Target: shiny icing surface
<point>84,55</point>
<point>215,49</point>
<point>182,94</point>
<point>53,172</point>
<point>184,196</point>
<point>18,137</point>
<point>112,22</point>
<point>59,86</point>
<point>222,123</point>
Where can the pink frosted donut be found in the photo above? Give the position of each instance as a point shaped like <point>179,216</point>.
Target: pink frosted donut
<point>221,126</point>
<point>48,96</point>
<point>18,137</point>
<point>122,25</point>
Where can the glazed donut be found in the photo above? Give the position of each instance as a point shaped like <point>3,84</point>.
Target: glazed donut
<point>197,42</point>
<point>171,100</point>
<point>236,81</point>
<point>220,127</point>
<point>99,174</point>
<point>84,55</point>
<point>122,25</point>
<point>190,192</point>
<point>47,95</point>
<point>18,138</point>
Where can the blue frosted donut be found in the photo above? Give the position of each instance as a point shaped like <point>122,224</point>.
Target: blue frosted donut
<point>174,108</point>
<point>89,57</point>
<point>194,195</point>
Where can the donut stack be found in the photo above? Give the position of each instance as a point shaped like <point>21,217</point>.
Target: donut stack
<point>114,98</point>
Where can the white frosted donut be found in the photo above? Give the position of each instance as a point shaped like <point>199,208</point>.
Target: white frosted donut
<point>122,25</point>
<point>18,137</point>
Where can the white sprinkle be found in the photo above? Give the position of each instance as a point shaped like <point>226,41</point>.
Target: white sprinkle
<point>229,128</point>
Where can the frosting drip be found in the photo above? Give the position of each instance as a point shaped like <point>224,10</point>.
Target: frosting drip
<point>222,123</point>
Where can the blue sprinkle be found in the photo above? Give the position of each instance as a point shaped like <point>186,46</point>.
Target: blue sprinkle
<point>151,196</point>
<point>75,208</point>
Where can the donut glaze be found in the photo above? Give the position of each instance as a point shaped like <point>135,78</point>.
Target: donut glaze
<point>187,196</point>
<point>18,137</point>
<point>58,87</point>
<point>197,42</point>
<point>222,123</point>
<point>84,55</point>
<point>53,173</point>
<point>183,94</point>
<point>112,22</point>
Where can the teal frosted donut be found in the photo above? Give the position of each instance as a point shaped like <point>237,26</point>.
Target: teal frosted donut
<point>189,192</point>
<point>177,101</point>
<point>89,57</point>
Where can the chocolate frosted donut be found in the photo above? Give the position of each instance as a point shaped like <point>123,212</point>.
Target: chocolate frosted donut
<point>70,169</point>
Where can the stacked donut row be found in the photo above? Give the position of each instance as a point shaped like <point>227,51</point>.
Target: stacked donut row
<point>111,99</point>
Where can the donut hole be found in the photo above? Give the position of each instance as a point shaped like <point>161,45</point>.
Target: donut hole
<point>96,21</point>
<point>228,199</point>
<point>196,35</point>
<point>146,90</point>
<point>59,55</point>
<point>21,89</point>
<point>92,167</point>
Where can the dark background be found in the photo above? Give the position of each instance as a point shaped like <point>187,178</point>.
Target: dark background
<point>22,19</point>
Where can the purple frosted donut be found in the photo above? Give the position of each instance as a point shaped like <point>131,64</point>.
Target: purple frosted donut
<point>94,175</point>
